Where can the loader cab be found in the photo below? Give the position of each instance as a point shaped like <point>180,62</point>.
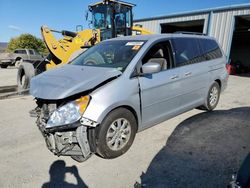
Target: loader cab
<point>113,18</point>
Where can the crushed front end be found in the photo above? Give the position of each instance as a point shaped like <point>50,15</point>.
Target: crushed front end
<point>70,136</point>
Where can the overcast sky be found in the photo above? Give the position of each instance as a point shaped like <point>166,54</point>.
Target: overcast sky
<point>27,16</point>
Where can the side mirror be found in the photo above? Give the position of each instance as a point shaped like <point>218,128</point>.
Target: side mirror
<point>150,68</point>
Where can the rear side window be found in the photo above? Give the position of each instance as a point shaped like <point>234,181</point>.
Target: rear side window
<point>18,51</point>
<point>21,51</point>
<point>36,52</point>
<point>187,51</point>
<point>210,49</point>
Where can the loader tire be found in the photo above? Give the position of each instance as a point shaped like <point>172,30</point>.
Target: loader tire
<point>24,74</point>
<point>18,62</point>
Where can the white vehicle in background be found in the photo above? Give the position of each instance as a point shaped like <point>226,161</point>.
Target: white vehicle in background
<point>18,56</point>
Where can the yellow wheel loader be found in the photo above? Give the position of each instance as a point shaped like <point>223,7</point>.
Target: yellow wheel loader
<point>110,19</point>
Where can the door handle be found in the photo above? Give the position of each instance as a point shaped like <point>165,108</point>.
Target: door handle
<point>174,77</point>
<point>188,73</point>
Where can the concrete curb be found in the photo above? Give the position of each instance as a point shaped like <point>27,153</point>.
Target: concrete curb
<point>11,91</point>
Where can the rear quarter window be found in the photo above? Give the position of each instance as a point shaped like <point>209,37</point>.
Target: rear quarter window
<point>210,49</point>
<point>31,52</point>
<point>36,52</point>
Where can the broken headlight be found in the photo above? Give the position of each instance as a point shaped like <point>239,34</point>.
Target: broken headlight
<point>68,113</point>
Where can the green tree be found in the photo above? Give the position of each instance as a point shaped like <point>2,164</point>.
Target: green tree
<point>27,41</point>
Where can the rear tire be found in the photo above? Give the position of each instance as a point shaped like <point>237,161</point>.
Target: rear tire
<point>213,97</point>
<point>116,133</point>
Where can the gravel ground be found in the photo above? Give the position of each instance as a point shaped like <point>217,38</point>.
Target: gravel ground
<point>195,149</point>
<point>8,76</point>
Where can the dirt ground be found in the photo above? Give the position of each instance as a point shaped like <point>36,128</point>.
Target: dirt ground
<point>8,76</point>
<point>195,149</point>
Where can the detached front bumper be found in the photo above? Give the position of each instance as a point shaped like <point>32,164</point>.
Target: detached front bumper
<point>71,143</point>
<point>67,142</point>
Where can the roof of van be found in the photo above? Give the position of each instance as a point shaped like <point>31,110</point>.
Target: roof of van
<point>159,36</point>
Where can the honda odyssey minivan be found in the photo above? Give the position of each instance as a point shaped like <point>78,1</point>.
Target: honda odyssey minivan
<point>102,98</point>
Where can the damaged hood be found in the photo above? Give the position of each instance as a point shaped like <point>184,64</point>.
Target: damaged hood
<point>69,80</point>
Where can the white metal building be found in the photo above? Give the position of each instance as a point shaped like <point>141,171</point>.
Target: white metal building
<point>229,25</point>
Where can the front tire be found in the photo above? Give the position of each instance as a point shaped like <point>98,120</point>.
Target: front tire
<point>116,133</point>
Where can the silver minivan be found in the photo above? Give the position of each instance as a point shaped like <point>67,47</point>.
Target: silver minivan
<point>103,97</point>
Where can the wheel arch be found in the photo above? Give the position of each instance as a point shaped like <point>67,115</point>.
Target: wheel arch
<point>131,109</point>
<point>18,58</point>
<point>128,107</point>
<point>219,82</point>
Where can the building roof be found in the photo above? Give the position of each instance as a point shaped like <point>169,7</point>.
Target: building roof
<point>202,11</point>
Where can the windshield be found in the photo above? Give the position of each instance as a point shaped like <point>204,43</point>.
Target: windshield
<point>101,17</point>
<point>122,21</point>
<point>113,20</point>
<point>113,54</point>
